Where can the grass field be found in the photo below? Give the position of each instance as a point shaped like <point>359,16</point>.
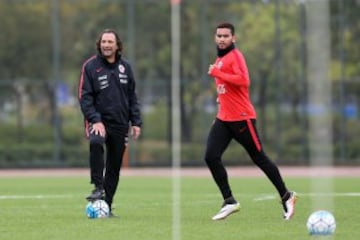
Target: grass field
<point>54,208</point>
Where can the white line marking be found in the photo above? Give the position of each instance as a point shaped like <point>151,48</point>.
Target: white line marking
<point>348,194</point>
<point>4,197</point>
<point>265,198</point>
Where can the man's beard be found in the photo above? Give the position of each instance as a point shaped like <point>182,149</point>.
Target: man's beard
<point>107,53</point>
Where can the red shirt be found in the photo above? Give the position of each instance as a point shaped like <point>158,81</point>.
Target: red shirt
<point>232,84</point>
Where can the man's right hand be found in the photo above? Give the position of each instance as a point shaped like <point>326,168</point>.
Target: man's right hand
<point>98,129</point>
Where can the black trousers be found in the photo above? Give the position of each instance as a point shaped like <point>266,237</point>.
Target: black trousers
<point>245,133</point>
<point>105,172</point>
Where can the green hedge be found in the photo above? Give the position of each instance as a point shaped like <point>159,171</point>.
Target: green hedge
<point>41,155</point>
<point>33,146</point>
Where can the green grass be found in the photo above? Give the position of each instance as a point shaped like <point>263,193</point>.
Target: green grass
<point>54,208</point>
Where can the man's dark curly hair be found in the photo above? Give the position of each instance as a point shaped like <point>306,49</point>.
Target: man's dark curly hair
<point>118,41</point>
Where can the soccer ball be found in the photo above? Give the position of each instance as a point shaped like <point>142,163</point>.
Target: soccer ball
<point>97,209</point>
<point>321,223</point>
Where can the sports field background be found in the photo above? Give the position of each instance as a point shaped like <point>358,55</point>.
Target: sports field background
<point>294,72</point>
<point>50,204</point>
<point>303,59</point>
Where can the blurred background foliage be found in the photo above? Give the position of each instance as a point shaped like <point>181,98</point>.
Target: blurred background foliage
<point>44,43</point>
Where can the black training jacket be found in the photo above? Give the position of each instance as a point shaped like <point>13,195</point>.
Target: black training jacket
<point>107,93</point>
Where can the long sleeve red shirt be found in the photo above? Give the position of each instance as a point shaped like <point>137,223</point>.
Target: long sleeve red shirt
<point>232,84</point>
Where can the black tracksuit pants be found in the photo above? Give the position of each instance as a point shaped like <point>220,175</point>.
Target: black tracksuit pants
<point>245,133</point>
<point>105,174</point>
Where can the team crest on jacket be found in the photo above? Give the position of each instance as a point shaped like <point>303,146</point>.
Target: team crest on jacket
<point>121,68</point>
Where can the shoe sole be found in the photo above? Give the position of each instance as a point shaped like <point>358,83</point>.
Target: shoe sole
<point>226,215</point>
<point>293,212</point>
<point>90,199</point>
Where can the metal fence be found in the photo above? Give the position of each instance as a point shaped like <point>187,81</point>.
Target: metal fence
<point>45,42</point>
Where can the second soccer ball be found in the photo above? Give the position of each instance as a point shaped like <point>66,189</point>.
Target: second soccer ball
<point>321,223</point>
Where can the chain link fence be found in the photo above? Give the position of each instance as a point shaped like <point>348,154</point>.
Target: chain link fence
<point>45,42</point>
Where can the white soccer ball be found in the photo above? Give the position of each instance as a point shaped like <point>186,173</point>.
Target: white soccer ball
<point>97,209</point>
<point>321,223</point>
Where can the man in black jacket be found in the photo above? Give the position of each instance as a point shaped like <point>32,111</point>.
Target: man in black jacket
<point>110,106</point>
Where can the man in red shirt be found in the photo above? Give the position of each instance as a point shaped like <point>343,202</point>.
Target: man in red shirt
<point>236,119</point>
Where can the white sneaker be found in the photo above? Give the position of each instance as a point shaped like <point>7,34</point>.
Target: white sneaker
<point>226,211</point>
<point>289,206</point>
